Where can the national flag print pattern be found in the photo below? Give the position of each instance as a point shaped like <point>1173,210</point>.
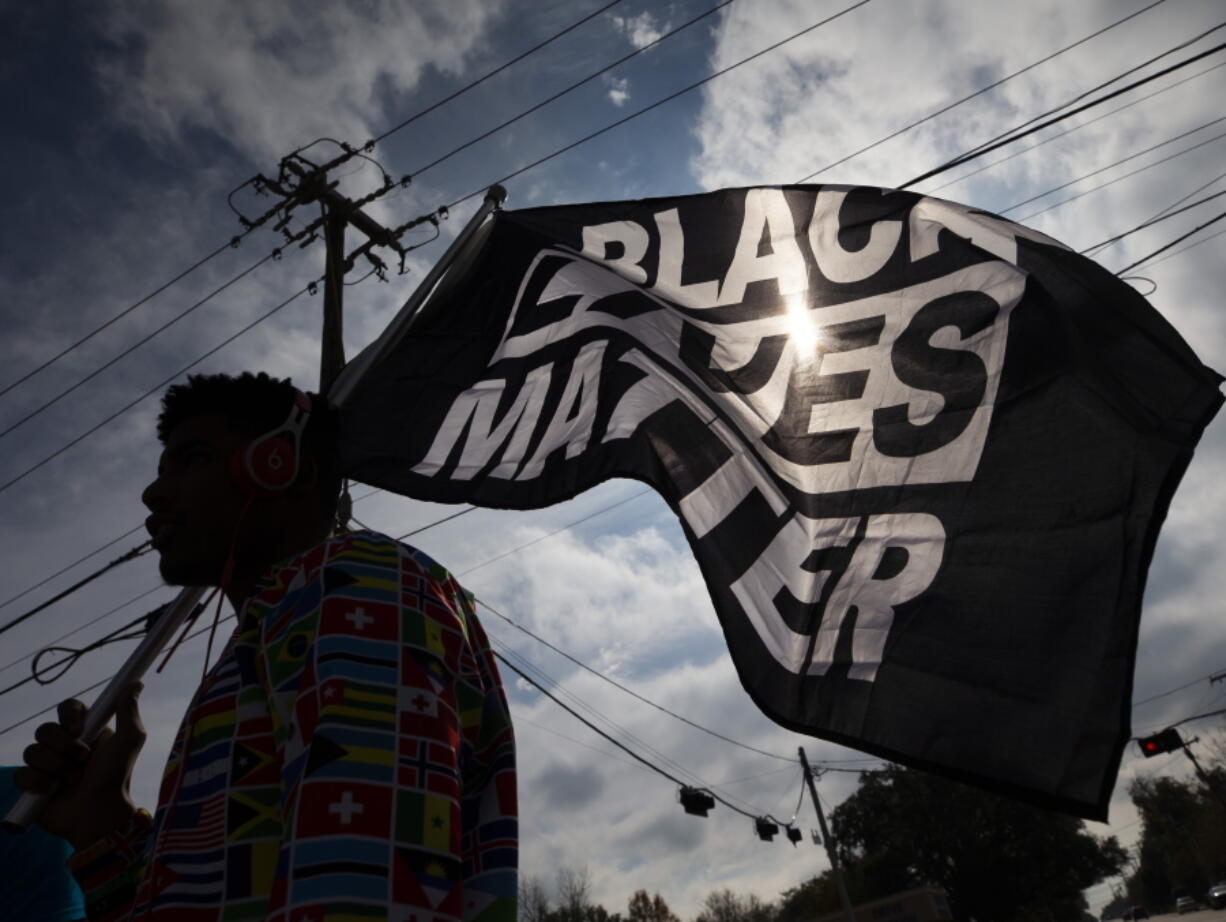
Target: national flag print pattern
<point>350,756</point>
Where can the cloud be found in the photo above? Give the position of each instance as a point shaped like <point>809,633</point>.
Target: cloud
<point>269,77</point>
<point>642,29</point>
<point>570,788</point>
<point>619,90</point>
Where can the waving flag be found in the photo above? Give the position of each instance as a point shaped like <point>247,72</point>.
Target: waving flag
<point>921,453</point>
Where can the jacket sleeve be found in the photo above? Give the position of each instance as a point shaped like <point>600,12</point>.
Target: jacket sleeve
<point>362,665</point>
<point>110,870</point>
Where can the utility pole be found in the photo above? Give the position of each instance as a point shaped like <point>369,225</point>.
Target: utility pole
<point>830,849</point>
<point>1200,772</point>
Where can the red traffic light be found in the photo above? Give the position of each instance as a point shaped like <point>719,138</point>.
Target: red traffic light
<point>1167,741</point>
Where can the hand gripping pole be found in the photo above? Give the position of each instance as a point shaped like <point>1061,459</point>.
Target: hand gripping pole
<point>28,806</point>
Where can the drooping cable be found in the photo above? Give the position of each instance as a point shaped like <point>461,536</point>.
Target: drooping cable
<point>1078,127</point>
<point>570,89</point>
<point>64,569</point>
<point>599,732</point>
<point>628,691</point>
<point>1122,160</point>
<point>1106,83</point>
<point>659,102</point>
<point>1015,135</point>
<point>1122,177</point>
<point>1178,240</point>
<point>47,404</point>
<point>156,388</point>
<point>124,558</point>
<point>979,92</point>
<point>1152,221</point>
<point>493,73</point>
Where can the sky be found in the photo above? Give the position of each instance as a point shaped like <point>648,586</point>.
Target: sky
<point>126,127</point>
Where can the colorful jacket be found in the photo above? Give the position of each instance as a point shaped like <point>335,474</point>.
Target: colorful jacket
<point>349,757</point>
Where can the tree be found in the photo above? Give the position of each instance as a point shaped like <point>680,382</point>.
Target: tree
<point>644,908</point>
<point>726,906</point>
<point>533,900</point>
<point>998,859</point>
<point>1183,837</point>
<point>574,887</point>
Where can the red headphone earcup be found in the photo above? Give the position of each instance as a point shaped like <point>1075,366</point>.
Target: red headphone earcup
<point>264,467</point>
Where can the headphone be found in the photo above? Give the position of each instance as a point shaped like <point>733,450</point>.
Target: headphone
<point>268,465</point>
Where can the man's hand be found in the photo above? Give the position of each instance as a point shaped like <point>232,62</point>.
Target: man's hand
<point>88,785</point>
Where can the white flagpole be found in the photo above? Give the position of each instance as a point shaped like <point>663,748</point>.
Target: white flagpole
<point>25,811</point>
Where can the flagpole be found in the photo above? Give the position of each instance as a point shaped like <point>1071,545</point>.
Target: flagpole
<point>347,381</point>
<point>28,806</point>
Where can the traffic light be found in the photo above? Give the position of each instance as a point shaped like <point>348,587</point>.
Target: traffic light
<point>1166,741</point>
<point>696,801</point>
<point>765,828</point>
<point>794,835</point>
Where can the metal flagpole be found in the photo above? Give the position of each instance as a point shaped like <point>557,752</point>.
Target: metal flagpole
<point>821,821</point>
<point>25,811</point>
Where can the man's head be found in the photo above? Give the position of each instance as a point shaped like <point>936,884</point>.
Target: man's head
<point>195,501</point>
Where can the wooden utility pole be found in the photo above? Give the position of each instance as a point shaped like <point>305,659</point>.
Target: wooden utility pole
<point>830,849</point>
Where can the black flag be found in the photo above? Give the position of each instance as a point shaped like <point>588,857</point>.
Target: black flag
<point>921,453</point>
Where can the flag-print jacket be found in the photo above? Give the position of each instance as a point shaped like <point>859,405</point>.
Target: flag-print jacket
<point>349,757</point>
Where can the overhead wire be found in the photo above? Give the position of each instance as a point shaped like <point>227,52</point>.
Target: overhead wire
<point>1122,160</point>
<point>1068,131</point>
<point>659,102</point>
<point>497,70</point>
<point>1111,182</point>
<point>599,732</point>
<point>1168,210</point>
<point>124,558</point>
<point>1016,135</point>
<point>1172,691</point>
<point>1152,221</point>
<point>979,92</point>
<point>569,89</point>
<point>47,404</point>
<point>66,568</point>
<point>1190,246</point>
<point>564,692</point>
<point>1178,240</point>
<point>234,241</point>
<point>628,691</point>
<point>1106,83</point>
<point>155,389</point>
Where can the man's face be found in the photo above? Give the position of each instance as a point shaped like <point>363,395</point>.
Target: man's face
<point>194,503</point>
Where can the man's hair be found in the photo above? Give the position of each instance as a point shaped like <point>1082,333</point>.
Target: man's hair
<point>252,404</point>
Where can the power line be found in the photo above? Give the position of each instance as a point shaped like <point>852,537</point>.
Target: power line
<point>558,531</point>
<point>1190,246</point>
<point>1106,83</point>
<point>1103,169</point>
<point>136,345</point>
<point>1152,221</point>
<point>123,313</point>
<point>497,70</point>
<point>1171,691</point>
<point>1075,128</point>
<point>978,92</point>
<point>574,86</point>
<point>1180,239</point>
<point>660,102</point>
<point>65,569</point>
<point>1179,201</point>
<point>1120,178</point>
<point>89,623</point>
<point>149,393</point>
<point>129,555</point>
<point>234,241</point>
<point>595,729</point>
<point>526,664</point>
<point>629,691</point>
<point>1014,137</point>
